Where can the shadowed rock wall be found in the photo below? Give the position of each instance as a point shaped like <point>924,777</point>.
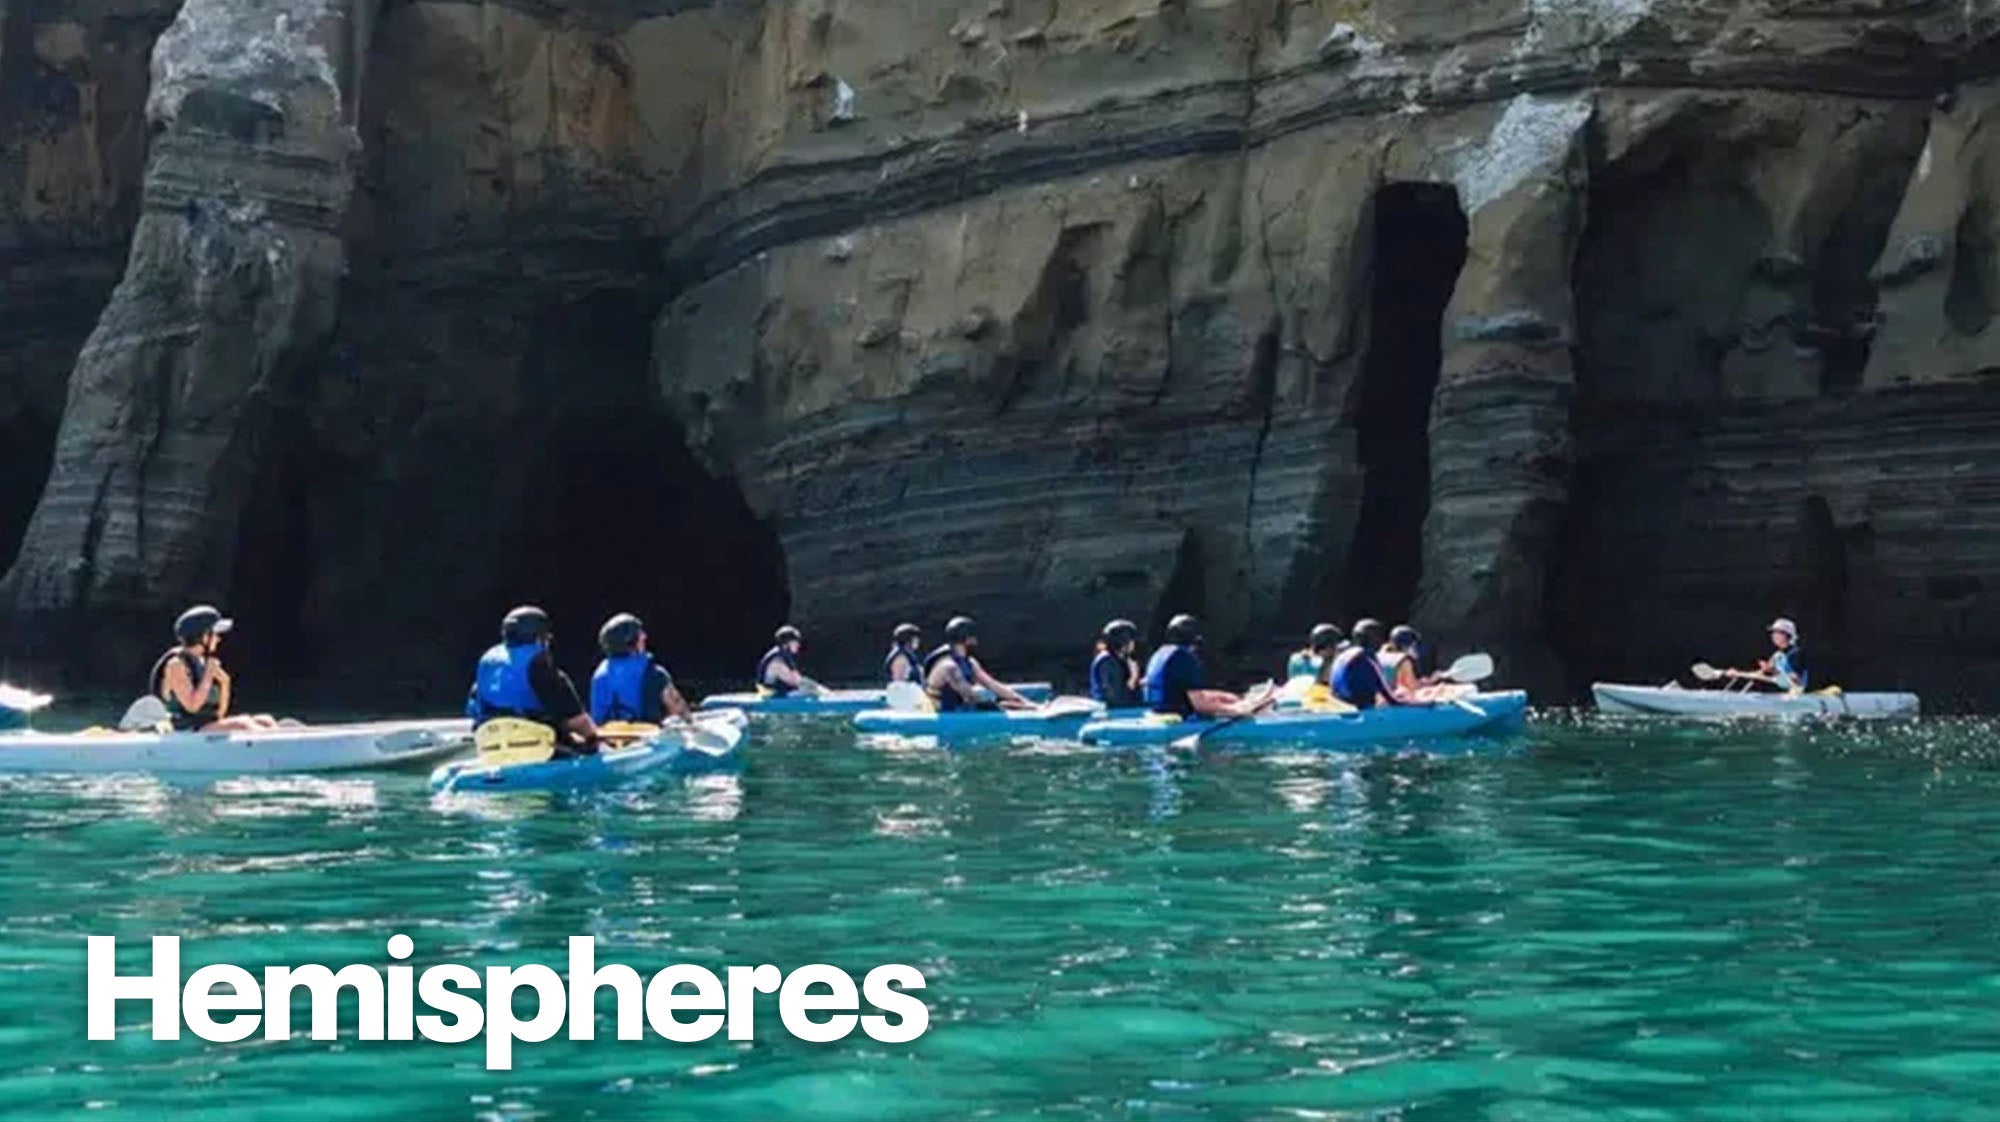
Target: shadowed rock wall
<point>1053,312</point>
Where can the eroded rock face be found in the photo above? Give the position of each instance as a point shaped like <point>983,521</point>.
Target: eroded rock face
<point>72,124</point>
<point>229,288</point>
<point>1510,316</point>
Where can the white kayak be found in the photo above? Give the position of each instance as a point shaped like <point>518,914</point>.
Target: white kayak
<point>1662,701</point>
<point>350,747</point>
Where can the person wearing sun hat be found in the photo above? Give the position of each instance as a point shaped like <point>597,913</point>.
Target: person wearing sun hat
<point>1786,668</point>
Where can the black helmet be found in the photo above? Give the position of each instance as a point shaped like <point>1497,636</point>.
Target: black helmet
<point>1403,635</point>
<point>620,634</point>
<point>1120,632</point>
<point>908,631</point>
<point>1368,633</point>
<point>525,624</point>
<point>789,634</point>
<point>198,621</point>
<point>960,629</point>
<point>1325,637</point>
<point>1184,629</point>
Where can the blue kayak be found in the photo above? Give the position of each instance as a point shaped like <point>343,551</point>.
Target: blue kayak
<point>1059,720</point>
<point>1486,714</point>
<point>670,753</point>
<point>833,703</point>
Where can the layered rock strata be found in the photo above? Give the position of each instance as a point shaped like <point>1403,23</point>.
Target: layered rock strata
<point>1054,312</point>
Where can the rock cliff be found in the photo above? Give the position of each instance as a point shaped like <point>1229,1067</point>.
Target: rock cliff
<point>1589,331</point>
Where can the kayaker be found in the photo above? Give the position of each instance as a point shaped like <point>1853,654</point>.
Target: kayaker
<point>1324,642</point>
<point>1786,669</point>
<point>1174,678</point>
<point>190,679</point>
<point>1356,673</point>
<point>518,677</point>
<point>629,685</point>
<point>905,661</point>
<point>953,677</point>
<point>1115,677</point>
<point>778,671</point>
<point>1399,662</point>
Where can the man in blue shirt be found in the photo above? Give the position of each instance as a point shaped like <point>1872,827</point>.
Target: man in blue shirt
<point>1356,673</point>
<point>1174,678</point>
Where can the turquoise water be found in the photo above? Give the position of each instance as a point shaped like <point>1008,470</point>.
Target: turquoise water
<point>1597,923</point>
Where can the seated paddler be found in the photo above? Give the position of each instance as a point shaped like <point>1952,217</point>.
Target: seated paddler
<point>190,681</point>
<point>1324,642</point>
<point>517,680</point>
<point>1116,680</point>
<point>778,673</point>
<point>630,685</point>
<point>1174,682</point>
<point>953,676</point>
<point>905,660</point>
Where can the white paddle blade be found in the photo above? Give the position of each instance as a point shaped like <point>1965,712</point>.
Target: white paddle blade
<point>1070,707</point>
<point>1296,690</point>
<point>714,738</point>
<point>1476,667</point>
<point>1705,672</point>
<point>22,701</point>
<point>144,714</point>
<point>906,697</point>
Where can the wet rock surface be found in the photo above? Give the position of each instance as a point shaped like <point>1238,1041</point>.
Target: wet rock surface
<point>1593,332</point>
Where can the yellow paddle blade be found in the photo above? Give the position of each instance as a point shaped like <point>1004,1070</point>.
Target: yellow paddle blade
<point>513,740</point>
<point>627,730</point>
<point>505,757</point>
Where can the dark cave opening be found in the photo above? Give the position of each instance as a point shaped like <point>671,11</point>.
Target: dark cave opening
<point>27,448</point>
<point>623,517</point>
<point>1419,247</point>
<point>273,569</point>
<point>1185,590</point>
<point>602,509</point>
<point>1819,562</point>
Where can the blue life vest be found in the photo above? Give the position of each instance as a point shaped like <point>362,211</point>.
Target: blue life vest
<point>777,654</point>
<point>1110,681</point>
<point>618,690</point>
<point>500,686</point>
<point>913,671</point>
<point>948,701</point>
<point>1170,674</point>
<point>1358,678</point>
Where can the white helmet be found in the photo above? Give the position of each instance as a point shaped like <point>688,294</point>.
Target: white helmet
<point>1787,626</point>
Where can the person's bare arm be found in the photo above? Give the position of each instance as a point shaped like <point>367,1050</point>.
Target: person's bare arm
<point>182,690</point>
<point>676,704</point>
<point>1000,689</point>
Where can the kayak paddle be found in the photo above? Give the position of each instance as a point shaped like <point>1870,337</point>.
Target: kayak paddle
<point>22,701</point>
<point>1469,669</point>
<point>713,738</point>
<point>1193,740</point>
